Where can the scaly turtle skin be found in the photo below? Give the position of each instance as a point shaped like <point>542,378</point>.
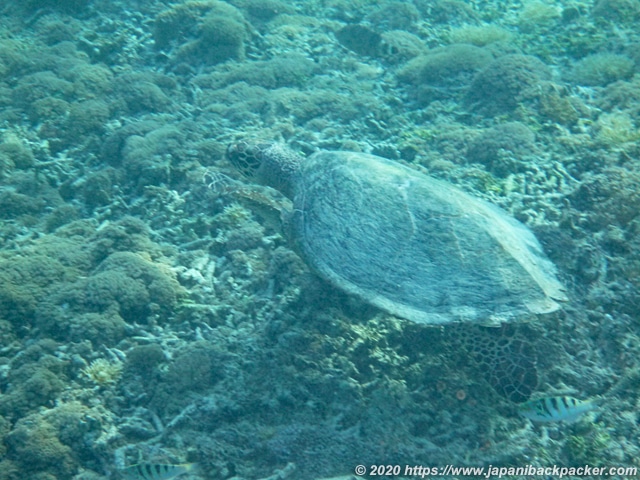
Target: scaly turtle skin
<point>409,244</point>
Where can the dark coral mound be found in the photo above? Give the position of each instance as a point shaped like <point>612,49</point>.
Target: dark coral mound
<point>507,82</point>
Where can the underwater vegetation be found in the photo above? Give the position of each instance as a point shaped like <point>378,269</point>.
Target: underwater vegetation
<point>616,129</point>
<point>446,66</point>
<point>506,82</point>
<point>535,16</point>
<point>480,35</point>
<point>602,69</point>
<point>147,319</point>
<point>103,372</point>
<point>502,149</point>
<point>201,32</point>
<point>623,11</point>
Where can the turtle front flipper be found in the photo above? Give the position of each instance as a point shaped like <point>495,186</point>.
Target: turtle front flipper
<point>269,205</point>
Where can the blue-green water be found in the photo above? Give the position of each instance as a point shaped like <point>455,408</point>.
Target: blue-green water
<point>153,311</point>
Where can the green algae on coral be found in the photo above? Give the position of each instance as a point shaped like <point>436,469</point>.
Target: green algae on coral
<point>134,286</point>
<point>301,370</point>
<point>25,282</point>
<point>446,66</point>
<point>479,36</point>
<point>14,153</point>
<point>202,32</point>
<point>622,11</point>
<point>221,38</point>
<point>143,359</point>
<point>507,81</point>
<point>36,447</point>
<point>502,147</point>
<point>602,69</point>
<point>36,380</point>
<point>263,10</point>
<point>616,129</point>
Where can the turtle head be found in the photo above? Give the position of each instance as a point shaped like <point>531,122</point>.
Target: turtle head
<point>271,164</point>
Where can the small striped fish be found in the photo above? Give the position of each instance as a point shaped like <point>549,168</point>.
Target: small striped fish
<point>556,409</point>
<point>156,471</point>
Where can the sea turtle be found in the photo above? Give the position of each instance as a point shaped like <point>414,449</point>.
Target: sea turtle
<point>409,244</point>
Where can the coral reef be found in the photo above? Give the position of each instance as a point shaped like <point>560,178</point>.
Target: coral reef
<point>37,448</point>
<point>602,69</point>
<point>26,281</point>
<point>135,287</point>
<point>221,38</point>
<point>537,16</point>
<point>142,93</point>
<point>616,129</point>
<point>442,72</point>
<point>72,6</point>
<point>501,149</point>
<point>14,154</point>
<point>202,32</point>
<point>394,15</point>
<point>479,35</point>
<point>288,70</point>
<point>448,11</point>
<point>102,371</point>
<point>450,65</point>
<point>178,23</point>
<point>149,159</point>
<point>399,46</point>
<point>508,81</point>
<point>35,380</point>
<point>147,318</point>
<point>263,10</point>
<point>144,358</point>
<point>623,11</point>
<point>360,39</point>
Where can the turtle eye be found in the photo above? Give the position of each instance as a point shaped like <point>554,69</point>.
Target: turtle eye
<point>246,158</point>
